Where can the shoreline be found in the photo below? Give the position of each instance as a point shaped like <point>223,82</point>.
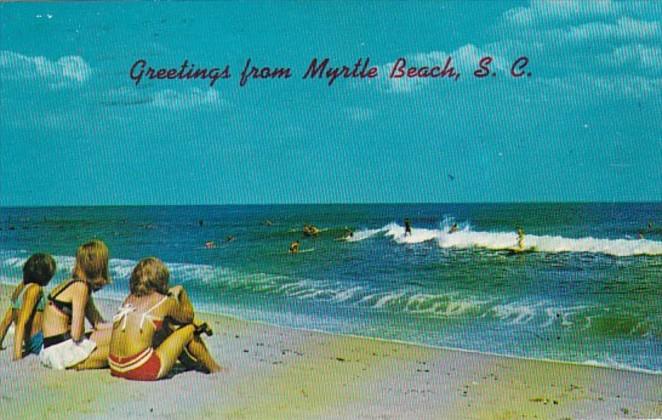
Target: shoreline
<point>289,373</point>
<point>204,313</point>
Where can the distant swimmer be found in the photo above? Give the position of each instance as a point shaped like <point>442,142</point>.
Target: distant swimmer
<point>294,247</point>
<point>349,233</point>
<point>520,238</point>
<point>210,244</point>
<point>201,222</point>
<point>453,228</point>
<point>650,225</point>
<point>407,227</point>
<point>310,230</point>
<point>268,222</point>
<point>641,235</point>
<point>230,238</point>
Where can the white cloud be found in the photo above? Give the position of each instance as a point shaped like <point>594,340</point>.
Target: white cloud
<point>625,28</point>
<point>633,87</point>
<point>543,13</point>
<point>561,22</point>
<point>635,56</point>
<point>164,99</point>
<point>540,12</point>
<point>172,99</point>
<point>65,70</point>
<point>588,40</point>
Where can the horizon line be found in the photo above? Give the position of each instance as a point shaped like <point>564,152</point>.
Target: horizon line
<point>331,204</point>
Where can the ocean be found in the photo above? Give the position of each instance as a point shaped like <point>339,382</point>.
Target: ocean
<point>587,289</point>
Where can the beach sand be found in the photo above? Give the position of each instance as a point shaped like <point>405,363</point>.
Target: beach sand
<point>276,372</point>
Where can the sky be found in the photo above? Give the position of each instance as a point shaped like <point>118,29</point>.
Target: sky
<point>75,129</point>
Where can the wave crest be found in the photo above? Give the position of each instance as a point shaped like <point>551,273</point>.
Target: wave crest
<point>466,238</point>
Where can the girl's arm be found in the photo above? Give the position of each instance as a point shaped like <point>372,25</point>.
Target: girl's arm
<point>4,326</point>
<point>181,309</point>
<point>79,299</point>
<point>92,313</point>
<point>30,298</point>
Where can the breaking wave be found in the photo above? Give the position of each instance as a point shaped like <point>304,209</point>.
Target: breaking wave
<point>465,238</point>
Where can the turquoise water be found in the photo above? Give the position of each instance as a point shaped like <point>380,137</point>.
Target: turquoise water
<point>587,291</point>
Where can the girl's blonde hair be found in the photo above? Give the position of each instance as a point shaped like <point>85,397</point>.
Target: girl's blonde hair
<point>92,264</point>
<point>150,274</point>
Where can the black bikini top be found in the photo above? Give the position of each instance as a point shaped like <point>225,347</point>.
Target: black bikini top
<point>64,307</point>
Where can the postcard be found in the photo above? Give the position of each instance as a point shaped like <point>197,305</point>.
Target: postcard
<point>333,209</point>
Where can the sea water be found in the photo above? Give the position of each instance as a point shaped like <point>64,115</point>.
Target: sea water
<point>587,290</point>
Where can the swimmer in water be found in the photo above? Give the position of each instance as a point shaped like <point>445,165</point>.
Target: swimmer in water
<point>520,238</point>
<point>230,238</point>
<point>641,234</point>
<point>453,228</point>
<point>294,247</point>
<point>210,244</point>
<point>268,222</point>
<point>349,233</point>
<point>310,230</point>
<point>407,227</point>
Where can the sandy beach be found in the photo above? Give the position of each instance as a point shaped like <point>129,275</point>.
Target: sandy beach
<point>278,372</point>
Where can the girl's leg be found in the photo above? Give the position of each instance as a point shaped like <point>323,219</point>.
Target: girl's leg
<point>172,347</point>
<point>198,350</point>
<point>99,357</point>
<point>102,336</point>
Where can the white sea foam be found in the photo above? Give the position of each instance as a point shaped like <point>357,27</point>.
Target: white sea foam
<point>402,299</point>
<point>466,238</point>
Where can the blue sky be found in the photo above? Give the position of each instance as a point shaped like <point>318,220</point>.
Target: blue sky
<point>75,129</point>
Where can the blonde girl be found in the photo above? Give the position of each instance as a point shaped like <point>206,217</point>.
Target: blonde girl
<point>66,345</point>
<point>136,325</point>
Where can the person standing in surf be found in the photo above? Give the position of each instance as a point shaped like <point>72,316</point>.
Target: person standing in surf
<point>520,238</point>
<point>407,227</point>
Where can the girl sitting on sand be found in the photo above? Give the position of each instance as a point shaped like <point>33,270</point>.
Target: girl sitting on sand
<point>141,317</point>
<point>66,344</point>
<point>27,306</point>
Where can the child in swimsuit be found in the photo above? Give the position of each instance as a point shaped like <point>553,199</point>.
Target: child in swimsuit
<point>27,306</point>
<point>135,326</point>
<point>66,344</point>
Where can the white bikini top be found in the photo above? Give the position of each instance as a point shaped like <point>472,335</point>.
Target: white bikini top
<point>126,309</point>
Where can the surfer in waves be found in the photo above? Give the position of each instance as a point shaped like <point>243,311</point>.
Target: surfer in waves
<point>407,227</point>
<point>520,238</point>
<point>294,247</point>
<point>453,228</point>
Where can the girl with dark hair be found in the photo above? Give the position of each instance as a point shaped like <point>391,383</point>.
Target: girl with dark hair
<point>27,306</point>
